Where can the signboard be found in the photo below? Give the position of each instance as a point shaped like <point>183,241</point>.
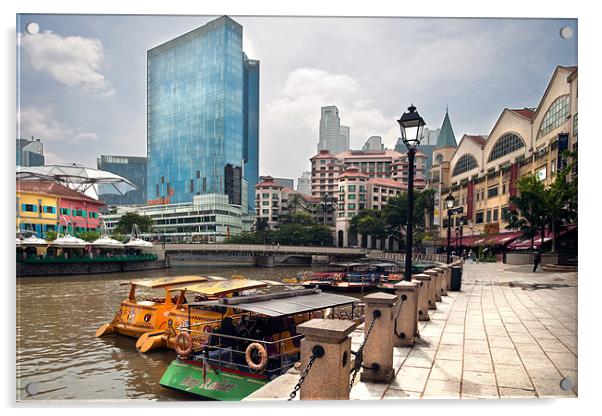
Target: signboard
<point>459,210</point>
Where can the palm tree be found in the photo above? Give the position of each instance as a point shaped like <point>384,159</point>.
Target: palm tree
<point>328,205</point>
<point>529,214</point>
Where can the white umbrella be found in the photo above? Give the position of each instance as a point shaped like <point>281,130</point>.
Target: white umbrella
<point>79,178</point>
<point>32,240</point>
<point>138,243</point>
<point>107,242</point>
<point>69,241</point>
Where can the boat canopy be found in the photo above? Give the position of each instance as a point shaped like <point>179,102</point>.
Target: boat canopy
<point>283,303</point>
<point>224,287</point>
<point>166,281</point>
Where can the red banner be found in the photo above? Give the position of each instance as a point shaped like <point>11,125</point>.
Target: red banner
<point>512,185</point>
<point>470,201</point>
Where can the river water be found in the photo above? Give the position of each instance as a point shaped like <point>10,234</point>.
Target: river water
<point>56,347</point>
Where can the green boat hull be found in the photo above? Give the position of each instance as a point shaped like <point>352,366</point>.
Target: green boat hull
<point>210,384</point>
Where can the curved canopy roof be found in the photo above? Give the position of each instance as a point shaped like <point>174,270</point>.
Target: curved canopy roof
<point>166,281</point>
<point>79,178</point>
<point>69,241</point>
<point>219,288</point>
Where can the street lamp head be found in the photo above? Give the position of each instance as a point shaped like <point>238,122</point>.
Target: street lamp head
<point>411,126</point>
<point>449,201</point>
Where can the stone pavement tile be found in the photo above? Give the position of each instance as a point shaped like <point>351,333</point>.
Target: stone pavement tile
<point>427,342</point>
<point>444,389</point>
<point>452,338</point>
<point>449,352</point>
<point>500,342</point>
<point>478,335</point>
<point>551,388</point>
<point>521,338</point>
<point>367,391</point>
<point>410,378</point>
<point>564,361</point>
<point>542,334</point>
<point>549,345</point>
<point>505,356</point>
<point>480,378</point>
<point>455,328</point>
<point>512,376</point>
<point>446,370</point>
<point>541,369</point>
<point>396,394</point>
<point>510,393</point>
<point>472,390</point>
<point>401,351</point>
<point>478,362</point>
<point>478,346</point>
<point>516,329</point>
<point>420,358</point>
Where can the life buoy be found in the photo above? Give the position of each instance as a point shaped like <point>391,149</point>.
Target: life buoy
<point>183,343</point>
<point>263,356</point>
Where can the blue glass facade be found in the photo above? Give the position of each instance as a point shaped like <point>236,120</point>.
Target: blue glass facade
<point>251,128</point>
<point>196,114</point>
<point>130,167</point>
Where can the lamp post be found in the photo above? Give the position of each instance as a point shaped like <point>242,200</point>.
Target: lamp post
<point>449,204</point>
<point>411,126</point>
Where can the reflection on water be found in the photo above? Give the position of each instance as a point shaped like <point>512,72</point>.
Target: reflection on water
<point>56,347</point>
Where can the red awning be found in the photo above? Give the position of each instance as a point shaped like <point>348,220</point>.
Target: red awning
<point>501,239</point>
<point>525,244</point>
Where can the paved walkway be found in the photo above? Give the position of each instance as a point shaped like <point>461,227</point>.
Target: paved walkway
<point>510,333</point>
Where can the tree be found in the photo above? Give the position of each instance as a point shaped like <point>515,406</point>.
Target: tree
<point>261,225</point>
<point>295,203</point>
<point>327,205</point>
<point>88,236</point>
<point>529,213</point>
<point>124,226</point>
<point>369,222</point>
<point>299,217</point>
<point>396,214</point>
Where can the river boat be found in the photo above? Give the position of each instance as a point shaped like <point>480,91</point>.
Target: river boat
<point>209,318</point>
<point>250,351</point>
<point>138,315</point>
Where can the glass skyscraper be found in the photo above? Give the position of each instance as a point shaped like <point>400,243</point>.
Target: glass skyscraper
<point>202,116</point>
<point>130,167</point>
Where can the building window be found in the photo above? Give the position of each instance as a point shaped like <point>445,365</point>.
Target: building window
<point>479,217</point>
<point>93,214</point>
<point>65,211</point>
<point>265,211</point>
<point>488,216</point>
<point>492,192</point>
<point>506,144</point>
<point>351,188</point>
<point>265,203</point>
<point>49,210</point>
<point>466,163</point>
<point>29,208</point>
<point>495,214</point>
<point>362,188</point>
<point>505,213</point>
<point>503,188</point>
<point>555,116</point>
<point>265,195</point>
<point>575,125</point>
<point>351,196</point>
<point>478,195</point>
<point>350,206</point>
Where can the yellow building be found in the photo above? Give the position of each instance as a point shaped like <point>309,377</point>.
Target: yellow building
<point>482,171</point>
<point>36,210</point>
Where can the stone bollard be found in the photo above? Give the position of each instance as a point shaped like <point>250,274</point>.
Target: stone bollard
<point>423,296</point>
<point>328,379</point>
<point>435,282</point>
<point>377,366</point>
<point>406,319</point>
<point>441,281</point>
<point>446,279</point>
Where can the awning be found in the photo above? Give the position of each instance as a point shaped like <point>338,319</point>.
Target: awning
<point>525,244</point>
<point>224,287</point>
<point>500,239</point>
<point>167,281</point>
<point>288,303</point>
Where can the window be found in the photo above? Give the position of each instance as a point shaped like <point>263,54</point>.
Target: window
<point>479,217</point>
<point>505,213</point>
<point>265,203</point>
<point>351,188</point>
<point>265,211</point>
<point>65,211</point>
<point>341,197</point>
<point>351,196</point>
<point>492,192</point>
<point>265,195</point>
<point>49,210</point>
<point>555,116</point>
<point>495,214</point>
<point>362,188</point>
<point>341,189</point>
<point>506,144</point>
<point>575,125</point>
<point>488,216</point>
<point>29,208</point>
<point>439,158</point>
<point>503,188</point>
<point>93,214</point>
<point>350,206</point>
<point>478,195</point>
<point>464,164</point>
<point>375,189</point>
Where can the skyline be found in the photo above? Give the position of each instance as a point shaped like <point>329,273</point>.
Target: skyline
<point>85,68</point>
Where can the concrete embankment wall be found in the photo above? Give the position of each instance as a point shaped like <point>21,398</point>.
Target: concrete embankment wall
<point>65,269</point>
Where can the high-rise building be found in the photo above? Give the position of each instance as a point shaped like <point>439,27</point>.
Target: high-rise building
<point>333,136</point>
<point>202,116</point>
<point>285,182</point>
<point>374,143</point>
<point>132,168</point>
<point>304,183</point>
<point>30,152</point>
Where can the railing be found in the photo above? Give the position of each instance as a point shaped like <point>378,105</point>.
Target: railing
<point>442,258</point>
<point>115,258</point>
<point>263,248</point>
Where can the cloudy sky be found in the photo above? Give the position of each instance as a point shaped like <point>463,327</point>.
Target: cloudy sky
<point>82,78</point>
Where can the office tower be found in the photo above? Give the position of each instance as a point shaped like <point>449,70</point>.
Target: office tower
<point>202,116</point>
<point>132,168</point>
<point>30,152</point>
<point>333,136</point>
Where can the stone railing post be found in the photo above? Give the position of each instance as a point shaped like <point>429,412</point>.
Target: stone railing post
<point>328,379</point>
<point>446,278</point>
<point>406,318</point>
<point>436,283</point>
<point>423,295</point>
<point>377,366</point>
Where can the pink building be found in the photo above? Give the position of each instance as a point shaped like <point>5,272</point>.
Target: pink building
<point>80,211</point>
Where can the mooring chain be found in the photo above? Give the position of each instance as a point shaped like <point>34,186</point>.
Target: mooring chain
<point>359,354</point>
<point>317,352</point>
<point>402,335</point>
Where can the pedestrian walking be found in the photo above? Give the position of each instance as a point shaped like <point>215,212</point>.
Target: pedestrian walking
<point>471,256</point>
<point>536,260</point>
<point>464,254</point>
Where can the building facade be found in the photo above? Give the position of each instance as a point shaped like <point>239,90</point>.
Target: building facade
<point>482,171</point>
<point>333,136</point>
<point>30,152</point>
<point>48,206</point>
<point>202,116</point>
<point>304,183</point>
<point>132,168</point>
<point>374,143</point>
<point>208,218</point>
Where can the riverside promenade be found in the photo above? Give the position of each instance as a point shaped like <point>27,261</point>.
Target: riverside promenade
<point>509,333</point>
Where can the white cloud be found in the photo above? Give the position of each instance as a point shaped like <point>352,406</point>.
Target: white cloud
<point>294,117</point>
<point>40,123</point>
<point>69,60</point>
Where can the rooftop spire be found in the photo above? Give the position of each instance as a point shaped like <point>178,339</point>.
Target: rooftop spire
<point>446,135</point>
